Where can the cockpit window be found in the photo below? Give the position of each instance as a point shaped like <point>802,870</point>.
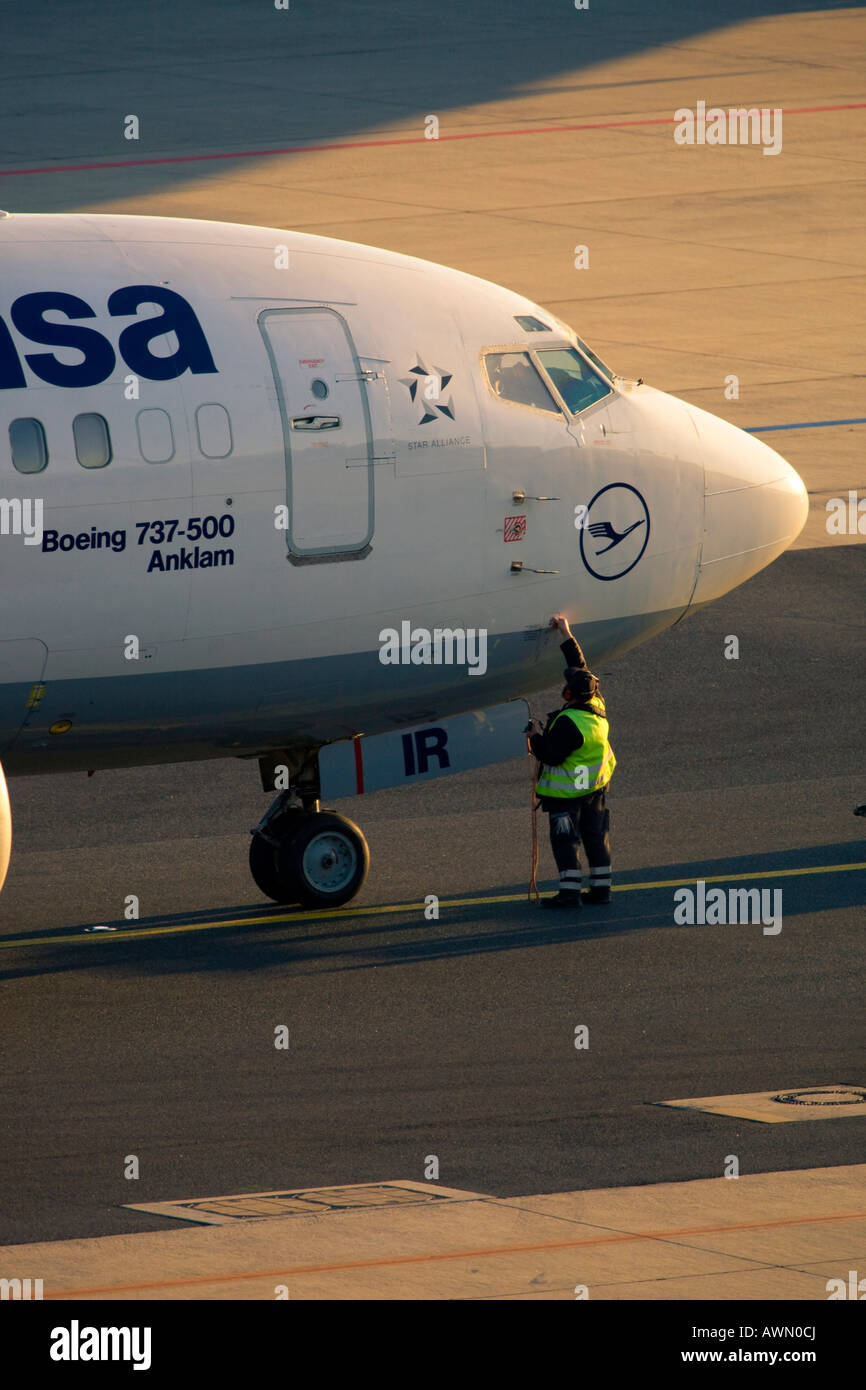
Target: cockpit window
<point>513,377</point>
<point>575,380</point>
<point>594,357</point>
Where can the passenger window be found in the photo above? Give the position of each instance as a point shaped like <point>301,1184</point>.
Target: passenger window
<point>27,442</point>
<point>513,377</point>
<point>155,438</point>
<point>214,431</point>
<point>577,382</point>
<point>92,444</point>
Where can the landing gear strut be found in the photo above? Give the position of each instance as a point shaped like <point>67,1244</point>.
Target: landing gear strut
<point>300,854</point>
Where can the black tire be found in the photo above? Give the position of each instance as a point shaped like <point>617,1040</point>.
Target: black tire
<point>326,858</point>
<point>263,867</point>
<point>263,859</point>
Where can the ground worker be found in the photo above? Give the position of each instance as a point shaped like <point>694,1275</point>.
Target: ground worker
<point>578,763</point>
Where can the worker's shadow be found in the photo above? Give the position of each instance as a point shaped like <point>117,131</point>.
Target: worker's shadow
<point>789,884</point>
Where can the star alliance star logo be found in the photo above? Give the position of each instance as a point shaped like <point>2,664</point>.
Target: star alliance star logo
<point>433,383</point>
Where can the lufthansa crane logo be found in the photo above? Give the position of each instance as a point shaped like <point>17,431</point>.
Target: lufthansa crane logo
<point>615,531</point>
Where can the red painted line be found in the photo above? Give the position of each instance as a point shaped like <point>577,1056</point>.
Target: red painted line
<point>484,1252</point>
<point>359,764</point>
<point>377,144</point>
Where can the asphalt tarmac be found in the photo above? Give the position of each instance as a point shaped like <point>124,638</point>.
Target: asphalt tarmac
<point>411,1037</point>
<point>455,1037</point>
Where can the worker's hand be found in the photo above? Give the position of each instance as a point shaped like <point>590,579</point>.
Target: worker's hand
<point>562,623</point>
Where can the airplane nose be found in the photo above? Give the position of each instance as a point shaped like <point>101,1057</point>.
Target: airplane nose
<point>755,506</point>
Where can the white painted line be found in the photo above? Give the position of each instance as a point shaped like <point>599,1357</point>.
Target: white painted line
<point>303,1201</point>
<point>785,1106</point>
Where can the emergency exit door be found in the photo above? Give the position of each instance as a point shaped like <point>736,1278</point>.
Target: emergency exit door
<point>327,436</point>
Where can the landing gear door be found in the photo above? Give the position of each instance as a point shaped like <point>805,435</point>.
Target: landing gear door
<point>404,757</point>
<point>327,433</point>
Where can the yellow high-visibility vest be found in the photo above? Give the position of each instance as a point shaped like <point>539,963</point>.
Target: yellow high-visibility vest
<point>590,767</point>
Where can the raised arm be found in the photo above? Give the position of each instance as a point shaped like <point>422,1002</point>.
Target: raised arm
<point>570,648</point>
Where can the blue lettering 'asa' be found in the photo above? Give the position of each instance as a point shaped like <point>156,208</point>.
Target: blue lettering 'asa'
<point>193,353</point>
<point>28,316</point>
<point>10,368</point>
<point>98,358</point>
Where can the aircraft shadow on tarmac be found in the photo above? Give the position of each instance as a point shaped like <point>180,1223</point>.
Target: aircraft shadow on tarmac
<point>259,84</point>
<point>339,942</point>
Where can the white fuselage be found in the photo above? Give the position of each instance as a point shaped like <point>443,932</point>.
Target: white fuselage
<point>278,494</point>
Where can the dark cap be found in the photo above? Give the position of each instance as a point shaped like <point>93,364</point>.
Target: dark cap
<point>582,683</point>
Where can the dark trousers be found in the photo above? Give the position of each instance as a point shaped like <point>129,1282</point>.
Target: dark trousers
<point>574,819</point>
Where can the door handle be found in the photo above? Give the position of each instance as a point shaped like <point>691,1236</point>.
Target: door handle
<point>316,422</point>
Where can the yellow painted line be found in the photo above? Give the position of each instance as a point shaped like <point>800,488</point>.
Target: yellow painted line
<point>179,928</point>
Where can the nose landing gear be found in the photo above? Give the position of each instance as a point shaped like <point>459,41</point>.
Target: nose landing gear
<point>304,855</point>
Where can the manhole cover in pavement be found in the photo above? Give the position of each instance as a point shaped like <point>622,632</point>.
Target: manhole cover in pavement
<point>304,1201</point>
<point>827,1095</point>
<point>783,1107</point>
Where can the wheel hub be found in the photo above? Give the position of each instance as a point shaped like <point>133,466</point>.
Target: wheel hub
<point>329,862</point>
